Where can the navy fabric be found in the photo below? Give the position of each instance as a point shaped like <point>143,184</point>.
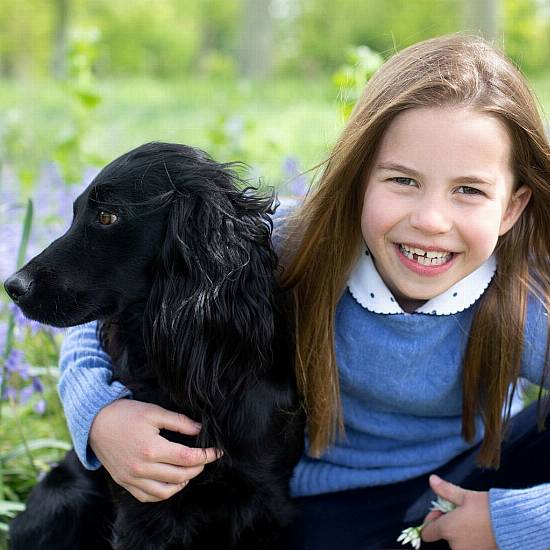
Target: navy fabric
<point>372,518</point>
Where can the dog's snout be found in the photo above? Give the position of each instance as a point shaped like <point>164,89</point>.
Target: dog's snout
<point>18,285</point>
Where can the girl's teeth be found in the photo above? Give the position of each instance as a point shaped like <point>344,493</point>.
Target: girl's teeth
<point>425,258</point>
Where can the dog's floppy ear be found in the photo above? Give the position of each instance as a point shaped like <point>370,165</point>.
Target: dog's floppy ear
<point>210,311</point>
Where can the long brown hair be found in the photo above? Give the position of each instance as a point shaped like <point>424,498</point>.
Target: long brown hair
<point>324,235</point>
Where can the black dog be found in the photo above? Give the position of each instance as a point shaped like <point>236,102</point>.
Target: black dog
<point>175,260</point>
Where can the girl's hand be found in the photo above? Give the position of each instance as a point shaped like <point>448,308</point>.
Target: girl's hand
<point>467,526</point>
<point>125,438</point>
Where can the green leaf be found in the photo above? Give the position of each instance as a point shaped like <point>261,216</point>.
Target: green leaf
<point>88,98</point>
<point>8,507</point>
<point>26,232</point>
<point>34,445</point>
<point>27,224</point>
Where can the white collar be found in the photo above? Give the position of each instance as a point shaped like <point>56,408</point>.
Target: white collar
<point>368,288</point>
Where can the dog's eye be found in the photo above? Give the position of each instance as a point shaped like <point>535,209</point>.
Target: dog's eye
<point>106,218</point>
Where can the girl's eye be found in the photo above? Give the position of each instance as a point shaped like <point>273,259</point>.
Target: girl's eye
<point>106,218</point>
<point>466,190</point>
<point>403,181</point>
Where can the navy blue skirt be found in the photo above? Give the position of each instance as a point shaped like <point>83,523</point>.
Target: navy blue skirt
<point>372,518</point>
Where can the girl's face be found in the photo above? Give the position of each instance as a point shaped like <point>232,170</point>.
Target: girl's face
<point>439,195</point>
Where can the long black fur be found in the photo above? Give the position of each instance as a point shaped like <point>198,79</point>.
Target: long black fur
<point>184,285</point>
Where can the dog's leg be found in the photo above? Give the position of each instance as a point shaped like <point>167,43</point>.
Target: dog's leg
<point>69,509</point>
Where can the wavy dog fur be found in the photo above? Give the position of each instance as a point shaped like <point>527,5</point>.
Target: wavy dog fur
<point>184,285</point>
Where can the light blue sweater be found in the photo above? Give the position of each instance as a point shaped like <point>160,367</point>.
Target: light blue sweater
<point>401,391</point>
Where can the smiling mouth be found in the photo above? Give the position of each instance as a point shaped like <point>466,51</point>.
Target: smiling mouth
<point>424,257</point>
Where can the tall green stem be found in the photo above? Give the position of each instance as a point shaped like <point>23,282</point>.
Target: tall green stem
<point>27,223</point>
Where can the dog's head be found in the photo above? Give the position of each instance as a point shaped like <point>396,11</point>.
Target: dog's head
<point>163,218</point>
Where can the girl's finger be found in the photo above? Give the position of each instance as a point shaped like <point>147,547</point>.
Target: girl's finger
<point>154,491</point>
<point>450,492</point>
<point>140,495</point>
<point>175,422</point>
<point>167,473</point>
<point>180,455</point>
<point>433,515</point>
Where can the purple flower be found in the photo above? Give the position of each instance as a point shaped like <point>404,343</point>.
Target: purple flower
<point>90,173</point>
<point>298,183</point>
<point>17,314</point>
<point>15,364</point>
<point>10,236</point>
<point>290,166</point>
<point>49,176</point>
<point>3,335</point>
<point>37,385</point>
<point>22,321</point>
<point>25,394</point>
<point>40,406</point>
<point>10,393</point>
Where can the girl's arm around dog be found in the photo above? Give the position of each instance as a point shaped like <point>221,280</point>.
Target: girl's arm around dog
<point>149,466</point>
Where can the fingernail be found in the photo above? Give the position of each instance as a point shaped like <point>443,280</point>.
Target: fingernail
<point>197,425</point>
<point>436,480</point>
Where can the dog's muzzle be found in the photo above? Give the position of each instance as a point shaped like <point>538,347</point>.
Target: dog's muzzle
<point>18,285</point>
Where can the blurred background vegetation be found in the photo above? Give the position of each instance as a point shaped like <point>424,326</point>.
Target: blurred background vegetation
<point>84,80</point>
<point>268,82</point>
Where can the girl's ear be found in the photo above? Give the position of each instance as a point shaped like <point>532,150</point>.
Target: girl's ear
<point>518,202</point>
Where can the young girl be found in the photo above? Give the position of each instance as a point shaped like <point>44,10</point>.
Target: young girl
<point>420,270</point>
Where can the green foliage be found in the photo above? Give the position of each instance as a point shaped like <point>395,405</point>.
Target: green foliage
<point>527,33</point>
<point>25,37</point>
<point>352,77</point>
<point>173,39</point>
<point>82,99</point>
<point>143,38</point>
<point>218,65</point>
<point>27,224</point>
<point>256,122</point>
<point>384,26</point>
<point>24,459</point>
<point>17,143</point>
<point>30,443</point>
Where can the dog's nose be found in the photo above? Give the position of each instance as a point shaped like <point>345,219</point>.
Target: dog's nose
<point>18,285</point>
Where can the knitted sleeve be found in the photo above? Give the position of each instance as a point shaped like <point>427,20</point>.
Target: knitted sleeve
<point>85,386</point>
<point>520,517</point>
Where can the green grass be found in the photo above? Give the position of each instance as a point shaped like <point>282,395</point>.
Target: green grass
<point>280,118</point>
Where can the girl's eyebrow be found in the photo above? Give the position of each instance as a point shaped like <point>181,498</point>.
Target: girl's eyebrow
<point>460,179</point>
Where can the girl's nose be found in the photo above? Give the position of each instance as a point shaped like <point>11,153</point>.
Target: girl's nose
<point>431,217</point>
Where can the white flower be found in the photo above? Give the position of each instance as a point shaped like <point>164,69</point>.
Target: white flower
<point>412,534</point>
<point>442,505</point>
